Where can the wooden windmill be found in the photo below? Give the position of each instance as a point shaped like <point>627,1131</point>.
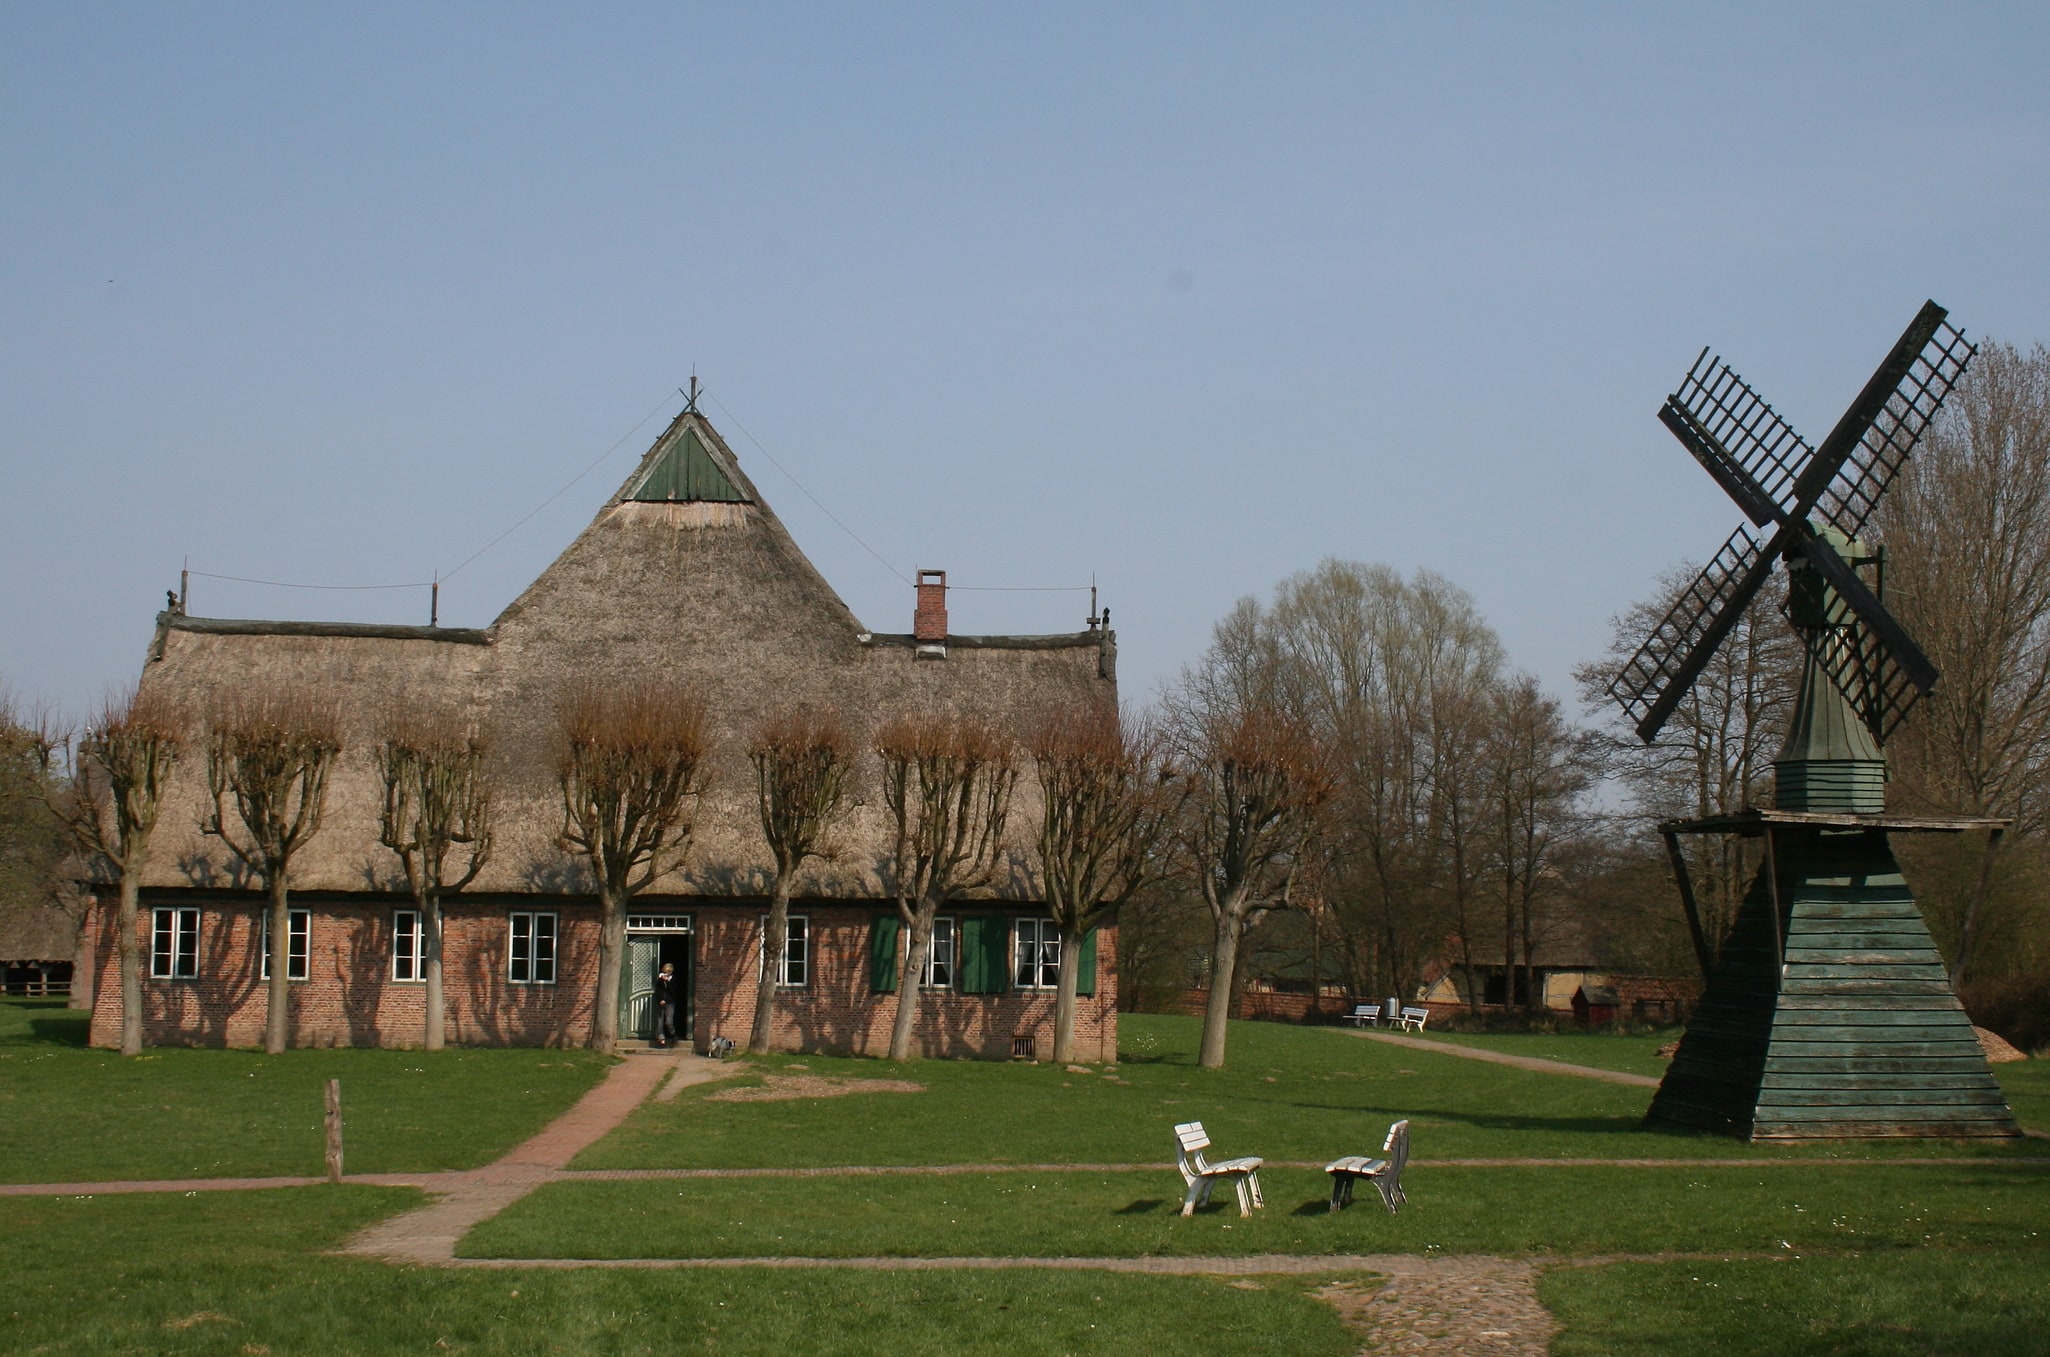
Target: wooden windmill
<point>1828,1011</point>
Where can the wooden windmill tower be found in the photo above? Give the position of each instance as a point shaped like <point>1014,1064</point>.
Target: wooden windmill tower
<point>1828,1011</point>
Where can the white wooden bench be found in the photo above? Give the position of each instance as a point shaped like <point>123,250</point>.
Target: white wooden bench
<point>1363,1014</point>
<point>1384,1173</point>
<point>1190,1142</point>
<point>1413,1019</point>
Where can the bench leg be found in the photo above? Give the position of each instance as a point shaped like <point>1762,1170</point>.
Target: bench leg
<point>1341,1191</point>
<point>1198,1195</point>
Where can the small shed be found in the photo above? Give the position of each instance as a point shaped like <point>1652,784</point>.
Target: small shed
<point>1594,1005</point>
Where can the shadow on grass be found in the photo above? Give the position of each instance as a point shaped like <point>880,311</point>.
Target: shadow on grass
<point>43,1022</point>
<point>1142,1206</point>
<point>1315,1206</point>
<point>69,1029</point>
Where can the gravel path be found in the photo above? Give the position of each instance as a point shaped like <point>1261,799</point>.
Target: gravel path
<point>1521,1062</point>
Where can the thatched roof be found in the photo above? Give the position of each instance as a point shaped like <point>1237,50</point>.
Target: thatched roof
<point>709,591</point>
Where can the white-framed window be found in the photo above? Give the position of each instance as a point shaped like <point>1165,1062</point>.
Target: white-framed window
<point>408,945</point>
<point>531,957</point>
<point>300,932</point>
<point>795,972</point>
<point>939,958</point>
<point>658,923</point>
<point>1038,954</point>
<point>174,944</point>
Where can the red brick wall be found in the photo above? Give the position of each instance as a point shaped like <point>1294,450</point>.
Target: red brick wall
<point>837,1011</point>
<point>349,998</point>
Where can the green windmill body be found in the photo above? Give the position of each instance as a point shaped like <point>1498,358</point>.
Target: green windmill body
<point>1827,1011</point>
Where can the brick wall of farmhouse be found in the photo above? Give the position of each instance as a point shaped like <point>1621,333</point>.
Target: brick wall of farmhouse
<point>837,1011</point>
<point>350,999</point>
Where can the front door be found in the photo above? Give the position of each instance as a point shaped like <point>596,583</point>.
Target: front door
<point>645,955</point>
<point>637,987</point>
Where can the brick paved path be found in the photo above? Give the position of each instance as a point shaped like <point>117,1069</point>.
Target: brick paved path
<point>465,1200</point>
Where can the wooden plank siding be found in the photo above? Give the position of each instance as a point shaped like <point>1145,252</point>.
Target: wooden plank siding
<point>1835,1020</point>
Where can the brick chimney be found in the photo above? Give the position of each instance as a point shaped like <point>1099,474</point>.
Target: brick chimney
<point>929,622</point>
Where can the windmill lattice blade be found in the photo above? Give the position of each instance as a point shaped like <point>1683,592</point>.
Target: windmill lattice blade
<point>1752,453</point>
<point>1932,371</point>
<point>1872,660</point>
<point>1659,674</point>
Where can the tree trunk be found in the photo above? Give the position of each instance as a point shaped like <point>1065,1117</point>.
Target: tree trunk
<point>130,953</point>
<point>82,972</point>
<point>436,1028</point>
<point>277,1023</point>
<point>1064,999</point>
<point>908,977</point>
<point>611,955</point>
<point>774,945</point>
<point>1224,960</point>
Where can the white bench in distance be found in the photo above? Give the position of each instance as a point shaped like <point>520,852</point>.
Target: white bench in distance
<point>1190,1142</point>
<point>1413,1019</point>
<point>1385,1174</point>
<point>1363,1014</point>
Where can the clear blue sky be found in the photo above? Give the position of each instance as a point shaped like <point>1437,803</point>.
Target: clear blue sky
<point>1182,297</point>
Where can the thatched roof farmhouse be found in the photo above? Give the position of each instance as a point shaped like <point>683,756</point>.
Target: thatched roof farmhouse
<point>685,574</point>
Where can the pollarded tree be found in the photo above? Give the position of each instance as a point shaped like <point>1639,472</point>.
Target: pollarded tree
<point>947,783</point>
<point>437,800</point>
<point>631,767</point>
<point>801,760</point>
<point>120,771</point>
<point>272,754</point>
<point>1108,799</point>
<point>1256,784</point>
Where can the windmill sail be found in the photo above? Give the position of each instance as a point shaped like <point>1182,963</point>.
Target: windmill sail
<point>1666,665</point>
<point>1740,440</point>
<point>1927,372</point>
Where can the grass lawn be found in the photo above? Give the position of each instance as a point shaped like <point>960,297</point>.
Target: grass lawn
<point>1452,1210</point>
<point>79,1115</point>
<point>244,1273</point>
<point>1969,1304</point>
<point>1286,1093</point>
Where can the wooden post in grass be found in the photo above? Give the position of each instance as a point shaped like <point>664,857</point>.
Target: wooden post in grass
<point>334,1130</point>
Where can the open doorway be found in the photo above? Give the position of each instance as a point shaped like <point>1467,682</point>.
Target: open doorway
<point>651,942</point>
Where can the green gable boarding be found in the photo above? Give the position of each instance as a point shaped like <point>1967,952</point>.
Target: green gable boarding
<point>683,471</point>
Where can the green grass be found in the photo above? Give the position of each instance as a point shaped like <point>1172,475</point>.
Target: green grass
<point>244,1273</point>
<point>1966,1304</point>
<point>1529,1210</point>
<point>1286,1093</point>
<point>1600,1050</point>
<point>79,1115</point>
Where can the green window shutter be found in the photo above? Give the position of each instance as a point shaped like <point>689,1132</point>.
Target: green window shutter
<point>1085,966</point>
<point>882,955</point>
<point>985,954</point>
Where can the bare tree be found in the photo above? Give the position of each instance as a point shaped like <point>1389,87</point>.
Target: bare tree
<point>1392,676</point>
<point>948,783</point>
<point>272,754</point>
<point>1715,755</point>
<point>437,799</point>
<point>1108,797</point>
<point>1256,784</point>
<point>120,771</point>
<point>631,769</point>
<point>1536,776</point>
<point>35,798</point>
<point>1967,537</point>
<point>801,762</point>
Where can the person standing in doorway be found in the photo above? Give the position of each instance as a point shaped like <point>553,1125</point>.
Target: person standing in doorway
<point>666,997</point>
